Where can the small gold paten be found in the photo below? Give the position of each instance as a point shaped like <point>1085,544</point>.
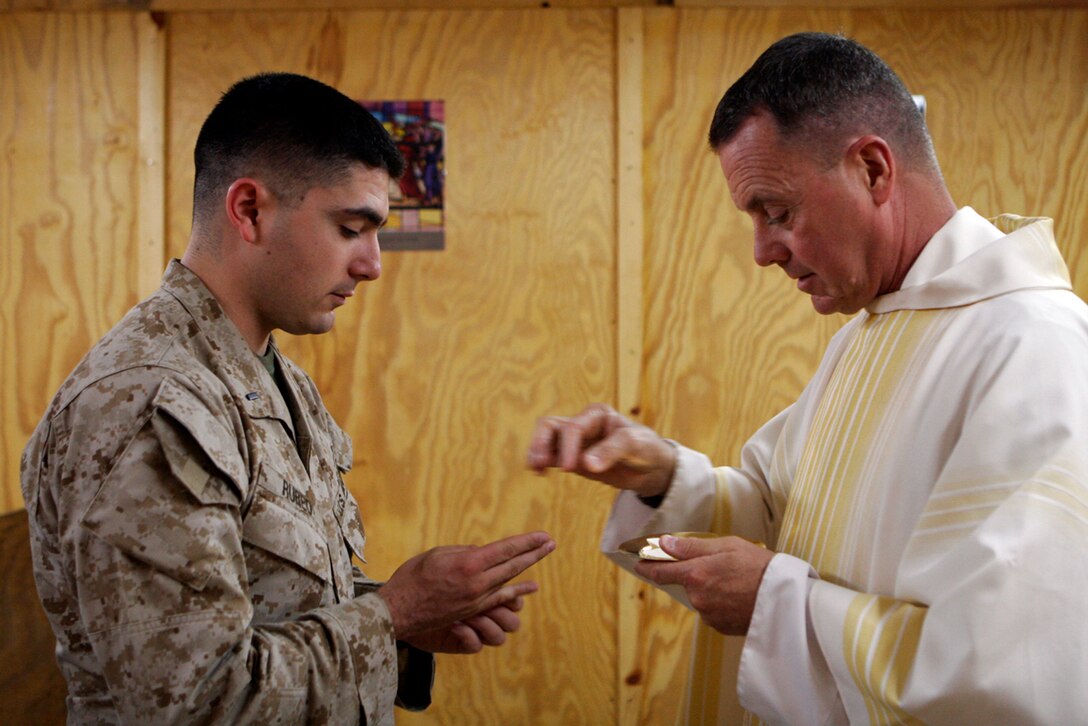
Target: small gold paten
<point>649,547</point>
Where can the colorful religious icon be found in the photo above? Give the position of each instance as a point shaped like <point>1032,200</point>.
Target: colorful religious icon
<point>416,200</point>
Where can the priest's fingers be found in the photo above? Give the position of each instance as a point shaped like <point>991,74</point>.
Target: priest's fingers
<point>685,548</point>
<point>544,444</point>
<point>579,433</point>
<point>559,441</point>
<point>721,586</point>
<point>633,448</point>
<point>721,563</point>
<point>663,573</point>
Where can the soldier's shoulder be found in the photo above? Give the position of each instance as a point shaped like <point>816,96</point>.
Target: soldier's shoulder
<point>151,343</point>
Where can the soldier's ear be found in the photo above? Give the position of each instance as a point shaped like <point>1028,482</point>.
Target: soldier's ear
<point>246,201</point>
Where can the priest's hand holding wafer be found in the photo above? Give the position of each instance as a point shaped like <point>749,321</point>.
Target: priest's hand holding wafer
<point>602,445</point>
<point>721,577</point>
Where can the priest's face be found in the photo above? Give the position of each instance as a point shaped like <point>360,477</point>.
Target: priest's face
<point>819,223</point>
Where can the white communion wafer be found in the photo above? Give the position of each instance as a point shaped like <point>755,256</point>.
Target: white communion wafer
<point>653,551</point>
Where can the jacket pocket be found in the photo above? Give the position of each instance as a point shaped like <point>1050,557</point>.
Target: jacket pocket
<point>164,505</point>
<point>179,409</point>
<point>276,524</point>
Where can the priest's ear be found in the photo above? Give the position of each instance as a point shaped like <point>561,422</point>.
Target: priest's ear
<point>875,164</point>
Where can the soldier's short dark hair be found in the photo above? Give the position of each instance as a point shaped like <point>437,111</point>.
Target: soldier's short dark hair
<point>292,132</point>
<point>820,88</point>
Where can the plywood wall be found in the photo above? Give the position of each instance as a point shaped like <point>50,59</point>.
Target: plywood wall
<point>71,257</point>
<point>439,369</point>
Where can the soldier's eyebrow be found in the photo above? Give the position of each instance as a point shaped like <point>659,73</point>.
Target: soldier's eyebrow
<point>368,214</point>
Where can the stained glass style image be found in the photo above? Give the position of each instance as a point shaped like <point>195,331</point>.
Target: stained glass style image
<point>416,216</point>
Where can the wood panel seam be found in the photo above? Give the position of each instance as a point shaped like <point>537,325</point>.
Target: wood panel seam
<point>151,172</point>
<point>629,320</point>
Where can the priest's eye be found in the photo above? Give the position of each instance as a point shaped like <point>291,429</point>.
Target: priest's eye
<point>348,232</point>
<point>776,216</point>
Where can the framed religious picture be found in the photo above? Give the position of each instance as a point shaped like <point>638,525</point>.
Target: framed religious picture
<point>416,215</point>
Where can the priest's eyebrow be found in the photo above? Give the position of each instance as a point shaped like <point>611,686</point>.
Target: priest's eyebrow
<point>757,203</point>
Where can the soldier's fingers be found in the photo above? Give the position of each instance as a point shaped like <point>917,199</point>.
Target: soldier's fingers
<point>496,553</point>
<point>487,629</point>
<point>507,592</point>
<point>511,568</point>
<point>468,639</point>
<point>504,617</point>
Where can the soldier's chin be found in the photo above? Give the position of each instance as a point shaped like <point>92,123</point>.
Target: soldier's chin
<point>315,326</point>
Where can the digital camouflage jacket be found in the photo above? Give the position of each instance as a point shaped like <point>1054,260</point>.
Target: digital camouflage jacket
<point>193,537</point>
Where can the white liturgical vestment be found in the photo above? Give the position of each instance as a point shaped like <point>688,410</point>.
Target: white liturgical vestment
<point>927,497</point>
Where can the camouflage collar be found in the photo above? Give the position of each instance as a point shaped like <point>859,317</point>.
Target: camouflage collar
<point>238,367</point>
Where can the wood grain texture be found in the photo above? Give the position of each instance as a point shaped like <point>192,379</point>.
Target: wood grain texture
<point>632,688</point>
<point>30,681</point>
<point>69,179</point>
<point>219,5</point>
<point>630,230</point>
<point>943,5</point>
<point>439,369</point>
<point>173,6</point>
<point>151,127</point>
<point>728,344</point>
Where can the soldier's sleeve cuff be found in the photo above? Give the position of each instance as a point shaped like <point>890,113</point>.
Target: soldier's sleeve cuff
<point>368,629</point>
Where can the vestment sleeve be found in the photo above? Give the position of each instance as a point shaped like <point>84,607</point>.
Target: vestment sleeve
<point>725,500</point>
<point>163,592</point>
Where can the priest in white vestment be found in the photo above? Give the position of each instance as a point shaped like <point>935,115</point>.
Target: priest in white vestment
<point>924,502</point>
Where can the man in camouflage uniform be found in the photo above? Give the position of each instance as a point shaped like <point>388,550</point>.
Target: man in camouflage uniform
<point>191,531</point>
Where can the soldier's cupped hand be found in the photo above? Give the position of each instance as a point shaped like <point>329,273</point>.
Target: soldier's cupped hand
<point>435,596</point>
<point>472,634</point>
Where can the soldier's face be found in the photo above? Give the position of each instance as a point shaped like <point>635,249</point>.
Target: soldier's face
<point>320,249</point>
